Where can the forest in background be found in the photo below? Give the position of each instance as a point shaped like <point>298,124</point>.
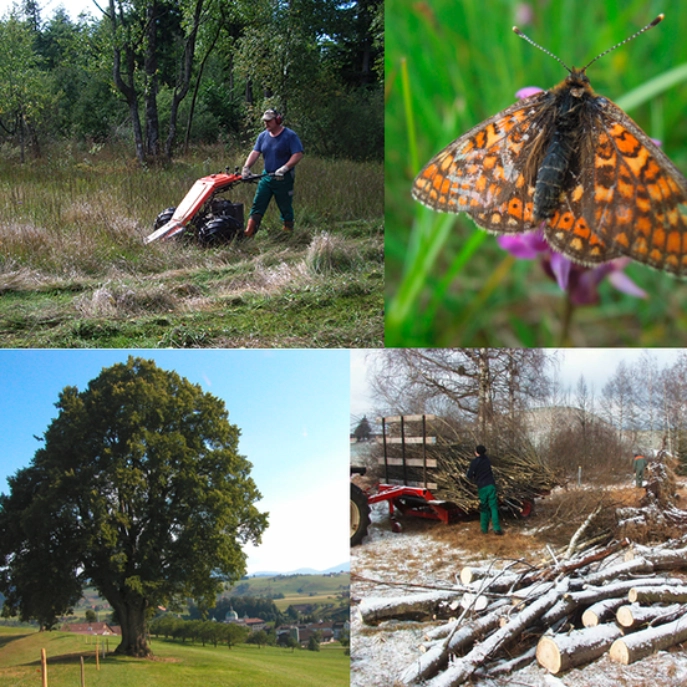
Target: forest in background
<point>515,396</point>
<point>162,75</point>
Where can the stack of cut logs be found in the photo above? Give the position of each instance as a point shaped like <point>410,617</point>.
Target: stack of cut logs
<point>625,600</point>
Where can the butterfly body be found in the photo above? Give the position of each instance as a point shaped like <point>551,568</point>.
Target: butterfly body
<point>572,163</point>
<point>567,104</point>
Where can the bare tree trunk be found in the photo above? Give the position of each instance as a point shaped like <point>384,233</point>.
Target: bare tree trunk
<point>562,652</point>
<point>128,90</point>
<point>22,141</point>
<point>151,69</point>
<point>201,69</point>
<point>645,642</point>
<point>633,615</point>
<point>133,624</point>
<point>483,410</point>
<point>184,81</point>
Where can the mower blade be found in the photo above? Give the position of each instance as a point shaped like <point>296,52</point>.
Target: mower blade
<point>166,231</point>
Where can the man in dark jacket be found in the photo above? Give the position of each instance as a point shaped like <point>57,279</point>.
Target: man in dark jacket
<point>481,473</point>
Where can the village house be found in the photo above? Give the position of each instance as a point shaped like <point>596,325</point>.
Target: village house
<point>253,624</point>
<point>328,631</point>
<point>99,629</point>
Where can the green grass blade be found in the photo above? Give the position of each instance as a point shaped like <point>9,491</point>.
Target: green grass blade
<point>650,89</point>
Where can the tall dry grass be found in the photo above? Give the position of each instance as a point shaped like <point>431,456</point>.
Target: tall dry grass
<point>77,214</point>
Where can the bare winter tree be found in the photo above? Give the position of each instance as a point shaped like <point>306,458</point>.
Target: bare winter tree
<point>619,403</point>
<point>466,384</point>
<point>674,384</point>
<point>584,401</point>
<point>648,391</point>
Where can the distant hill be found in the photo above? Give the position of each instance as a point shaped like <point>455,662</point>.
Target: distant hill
<point>295,587</point>
<point>344,567</point>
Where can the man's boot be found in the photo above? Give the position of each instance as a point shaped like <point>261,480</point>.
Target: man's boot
<point>252,226</point>
<point>288,226</point>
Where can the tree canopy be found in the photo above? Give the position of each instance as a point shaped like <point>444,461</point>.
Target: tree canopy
<point>140,490</point>
<point>163,72</point>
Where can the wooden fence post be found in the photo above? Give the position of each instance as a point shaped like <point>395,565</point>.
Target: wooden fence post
<point>83,674</point>
<point>44,668</point>
<point>97,655</point>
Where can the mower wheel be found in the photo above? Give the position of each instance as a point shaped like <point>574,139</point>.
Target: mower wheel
<point>360,515</point>
<point>163,218</point>
<point>219,230</point>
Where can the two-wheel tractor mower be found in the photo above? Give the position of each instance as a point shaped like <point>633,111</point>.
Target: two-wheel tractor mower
<point>203,216</point>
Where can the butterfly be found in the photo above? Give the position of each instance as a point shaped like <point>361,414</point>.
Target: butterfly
<point>572,163</point>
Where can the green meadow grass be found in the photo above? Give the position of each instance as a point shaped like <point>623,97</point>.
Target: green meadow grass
<point>293,585</point>
<point>74,271</point>
<point>451,64</point>
<point>174,664</point>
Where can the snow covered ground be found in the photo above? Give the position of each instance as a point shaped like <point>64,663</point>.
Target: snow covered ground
<point>380,654</point>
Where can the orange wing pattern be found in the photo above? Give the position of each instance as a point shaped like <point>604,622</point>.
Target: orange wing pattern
<point>628,199</point>
<point>483,172</point>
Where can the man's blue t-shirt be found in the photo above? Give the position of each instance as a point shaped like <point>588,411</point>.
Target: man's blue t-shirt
<point>276,150</point>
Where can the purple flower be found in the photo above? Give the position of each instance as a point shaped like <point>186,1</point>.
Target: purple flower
<point>580,282</point>
<point>524,14</point>
<point>527,92</point>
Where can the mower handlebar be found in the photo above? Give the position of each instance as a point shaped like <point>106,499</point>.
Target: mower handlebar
<point>249,180</point>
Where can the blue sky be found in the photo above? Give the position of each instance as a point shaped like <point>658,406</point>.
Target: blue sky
<point>293,411</point>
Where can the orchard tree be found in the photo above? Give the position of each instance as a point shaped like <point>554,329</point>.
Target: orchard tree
<point>235,634</point>
<point>138,490</point>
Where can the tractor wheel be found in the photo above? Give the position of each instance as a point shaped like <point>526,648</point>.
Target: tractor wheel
<point>219,230</point>
<point>360,515</point>
<point>163,218</point>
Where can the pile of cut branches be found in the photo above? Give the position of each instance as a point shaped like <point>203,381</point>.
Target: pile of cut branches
<point>658,519</point>
<point>519,472</point>
<point>566,613</point>
<point>441,462</point>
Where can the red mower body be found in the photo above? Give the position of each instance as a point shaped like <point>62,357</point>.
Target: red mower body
<point>201,192</point>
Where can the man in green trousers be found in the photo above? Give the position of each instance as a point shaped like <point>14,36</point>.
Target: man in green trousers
<point>481,473</point>
<point>640,466</point>
<point>282,150</point>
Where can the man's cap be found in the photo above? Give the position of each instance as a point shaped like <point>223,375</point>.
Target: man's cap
<point>269,114</point>
<point>481,450</point>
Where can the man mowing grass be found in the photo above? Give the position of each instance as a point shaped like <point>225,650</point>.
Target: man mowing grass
<point>282,150</point>
<point>481,473</point>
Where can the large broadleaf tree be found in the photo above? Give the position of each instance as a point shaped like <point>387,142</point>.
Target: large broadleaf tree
<point>139,490</point>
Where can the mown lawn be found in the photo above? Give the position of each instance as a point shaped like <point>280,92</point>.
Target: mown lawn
<point>174,664</point>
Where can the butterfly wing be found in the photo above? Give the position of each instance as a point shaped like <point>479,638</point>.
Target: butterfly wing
<point>634,197</point>
<point>488,172</point>
<point>568,232</point>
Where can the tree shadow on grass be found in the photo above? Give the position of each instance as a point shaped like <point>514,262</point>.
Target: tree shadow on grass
<point>5,640</point>
<point>89,657</point>
<point>67,659</point>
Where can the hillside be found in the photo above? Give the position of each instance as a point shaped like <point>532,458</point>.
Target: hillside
<point>284,589</point>
<point>293,585</point>
<point>287,590</point>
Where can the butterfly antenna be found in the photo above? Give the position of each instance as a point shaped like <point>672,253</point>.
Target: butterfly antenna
<point>536,45</point>
<point>658,20</point>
